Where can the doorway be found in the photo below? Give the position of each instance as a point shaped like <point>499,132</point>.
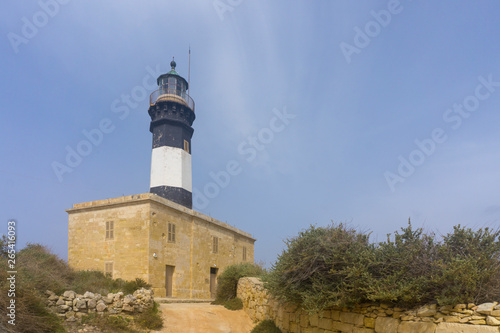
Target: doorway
<point>169,277</point>
<point>213,281</point>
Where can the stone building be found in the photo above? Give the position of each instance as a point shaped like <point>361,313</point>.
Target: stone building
<point>156,236</point>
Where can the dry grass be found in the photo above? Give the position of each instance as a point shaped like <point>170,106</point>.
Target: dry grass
<point>39,270</point>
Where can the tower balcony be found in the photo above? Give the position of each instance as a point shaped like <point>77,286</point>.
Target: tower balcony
<point>171,93</point>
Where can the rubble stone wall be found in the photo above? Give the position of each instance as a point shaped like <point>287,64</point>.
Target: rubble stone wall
<point>369,318</point>
<point>73,306</point>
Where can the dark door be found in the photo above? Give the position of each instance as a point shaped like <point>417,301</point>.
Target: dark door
<point>213,281</point>
<point>169,277</point>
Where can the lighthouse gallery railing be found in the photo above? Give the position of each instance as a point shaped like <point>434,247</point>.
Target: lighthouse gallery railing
<point>170,93</point>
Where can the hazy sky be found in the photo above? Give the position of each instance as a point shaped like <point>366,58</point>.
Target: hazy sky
<point>366,112</point>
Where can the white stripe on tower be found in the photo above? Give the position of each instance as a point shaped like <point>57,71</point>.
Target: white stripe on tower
<point>171,167</point>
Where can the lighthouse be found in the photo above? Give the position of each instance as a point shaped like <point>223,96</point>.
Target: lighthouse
<point>172,114</point>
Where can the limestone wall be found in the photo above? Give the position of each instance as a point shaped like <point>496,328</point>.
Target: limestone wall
<point>142,247</point>
<point>192,253</point>
<point>462,318</point>
<point>89,249</point>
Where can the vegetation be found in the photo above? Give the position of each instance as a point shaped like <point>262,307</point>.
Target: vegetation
<point>39,270</point>
<point>266,326</point>
<point>338,266</point>
<point>227,283</point>
<point>110,323</point>
<point>233,304</point>
<point>31,313</point>
<point>150,318</point>
<point>98,282</point>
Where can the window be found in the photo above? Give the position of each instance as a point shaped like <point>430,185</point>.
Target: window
<point>186,146</point>
<point>172,82</point>
<point>215,245</point>
<point>110,230</point>
<point>108,269</point>
<point>244,253</point>
<point>171,233</point>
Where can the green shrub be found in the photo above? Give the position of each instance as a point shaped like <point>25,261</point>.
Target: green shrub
<point>95,281</point>
<point>337,266</point>
<point>227,282</point>
<point>322,267</point>
<point>131,286</point>
<point>403,270</point>
<point>31,314</point>
<point>470,266</point>
<point>233,304</point>
<point>4,246</point>
<point>150,318</point>
<point>34,270</point>
<point>42,270</point>
<point>110,323</point>
<point>98,282</point>
<point>266,326</point>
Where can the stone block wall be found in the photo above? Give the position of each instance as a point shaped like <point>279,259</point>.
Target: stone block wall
<point>73,306</point>
<point>369,318</point>
<point>256,300</point>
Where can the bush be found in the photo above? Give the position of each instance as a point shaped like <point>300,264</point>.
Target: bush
<point>227,282</point>
<point>266,326</point>
<point>403,270</point>
<point>470,266</point>
<point>31,314</point>
<point>109,323</point>
<point>35,267</point>
<point>322,267</point>
<point>98,282</point>
<point>150,318</point>
<point>42,270</point>
<point>337,266</point>
<point>233,304</point>
<point>130,286</point>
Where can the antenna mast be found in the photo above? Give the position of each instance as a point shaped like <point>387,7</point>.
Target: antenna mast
<point>189,72</point>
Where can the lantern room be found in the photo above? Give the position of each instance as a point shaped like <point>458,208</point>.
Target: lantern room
<point>172,87</point>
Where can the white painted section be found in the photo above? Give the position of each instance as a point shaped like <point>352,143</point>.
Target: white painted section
<point>171,167</point>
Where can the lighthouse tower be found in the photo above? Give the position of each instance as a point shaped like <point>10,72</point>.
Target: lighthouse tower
<point>172,114</point>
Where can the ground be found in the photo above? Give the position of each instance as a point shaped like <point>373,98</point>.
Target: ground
<point>203,318</point>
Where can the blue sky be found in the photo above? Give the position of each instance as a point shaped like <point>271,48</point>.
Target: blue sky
<point>360,112</point>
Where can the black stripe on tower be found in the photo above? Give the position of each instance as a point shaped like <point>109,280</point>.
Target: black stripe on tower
<point>172,134</point>
<point>171,124</point>
<point>175,194</point>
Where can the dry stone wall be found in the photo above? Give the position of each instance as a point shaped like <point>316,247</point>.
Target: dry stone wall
<point>73,306</point>
<point>369,318</point>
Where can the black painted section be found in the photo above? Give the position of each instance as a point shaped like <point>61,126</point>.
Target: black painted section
<point>175,194</point>
<point>171,134</point>
<point>171,124</point>
<point>172,111</point>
